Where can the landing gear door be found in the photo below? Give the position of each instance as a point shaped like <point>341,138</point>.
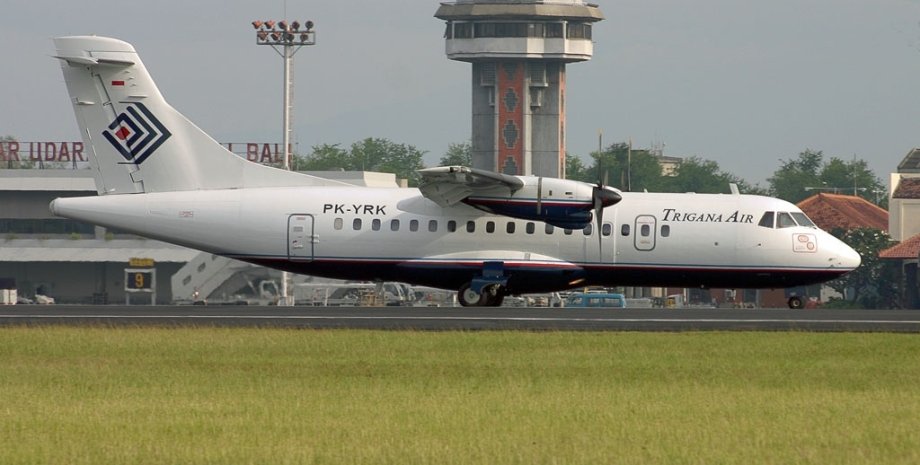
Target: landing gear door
<point>300,238</point>
<point>645,232</point>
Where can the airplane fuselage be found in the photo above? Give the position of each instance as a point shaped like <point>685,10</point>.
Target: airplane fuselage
<point>686,240</point>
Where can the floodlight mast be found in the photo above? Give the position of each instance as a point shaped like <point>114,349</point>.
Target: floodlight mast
<point>286,39</point>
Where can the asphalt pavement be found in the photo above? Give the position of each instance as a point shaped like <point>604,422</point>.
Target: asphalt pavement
<point>459,318</point>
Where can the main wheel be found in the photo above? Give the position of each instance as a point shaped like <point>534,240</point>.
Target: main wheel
<point>494,295</point>
<point>470,298</point>
<point>795,302</point>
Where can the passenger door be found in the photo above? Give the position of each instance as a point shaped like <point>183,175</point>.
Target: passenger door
<point>301,238</point>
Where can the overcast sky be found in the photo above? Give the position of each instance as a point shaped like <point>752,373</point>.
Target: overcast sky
<point>744,83</point>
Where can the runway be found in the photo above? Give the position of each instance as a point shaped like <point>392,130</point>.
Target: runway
<point>469,319</point>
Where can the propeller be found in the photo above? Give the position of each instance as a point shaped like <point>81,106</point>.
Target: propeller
<point>602,197</point>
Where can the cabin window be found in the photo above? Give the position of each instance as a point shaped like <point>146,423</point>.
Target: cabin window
<point>375,225</point>
<point>394,225</point>
<point>665,231</point>
<point>337,224</point>
<point>356,224</point>
<point>567,232</point>
<point>646,230</point>
<point>510,227</point>
<point>470,226</point>
<point>531,228</point>
<point>607,229</point>
<point>549,229</point>
<point>624,230</point>
<point>784,220</point>
<point>588,229</point>
<point>803,220</point>
<point>766,220</point>
<point>490,227</point>
<point>433,226</point>
<point>451,226</point>
<point>413,225</point>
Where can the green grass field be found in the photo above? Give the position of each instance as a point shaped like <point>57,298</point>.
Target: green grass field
<point>241,396</point>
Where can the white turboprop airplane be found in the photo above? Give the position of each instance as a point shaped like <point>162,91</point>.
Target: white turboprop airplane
<point>485,234</point>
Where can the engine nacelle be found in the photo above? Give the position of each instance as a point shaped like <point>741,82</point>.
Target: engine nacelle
<point>560,202</point>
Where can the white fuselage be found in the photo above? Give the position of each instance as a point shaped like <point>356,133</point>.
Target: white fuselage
<point>377,233</point>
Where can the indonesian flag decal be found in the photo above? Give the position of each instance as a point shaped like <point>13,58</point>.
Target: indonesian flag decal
<point>136,133</point>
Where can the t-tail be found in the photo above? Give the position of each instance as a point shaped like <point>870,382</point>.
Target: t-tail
<point>137,142</point>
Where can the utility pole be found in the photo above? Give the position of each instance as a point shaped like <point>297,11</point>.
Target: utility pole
<point>286,39</point>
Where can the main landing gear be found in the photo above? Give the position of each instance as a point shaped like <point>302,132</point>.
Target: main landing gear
<point>489,296</point>
<point>487,289</point>
<point>795,302</point>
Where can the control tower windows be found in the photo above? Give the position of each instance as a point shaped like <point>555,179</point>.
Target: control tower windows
<point>578,31</point>
<point>554,30</point>
<point>463,30</point>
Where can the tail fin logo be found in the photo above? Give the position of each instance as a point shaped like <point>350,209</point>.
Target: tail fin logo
<point>136,133</point>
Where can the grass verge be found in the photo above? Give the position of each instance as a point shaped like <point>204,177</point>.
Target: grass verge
<point>210,395</point>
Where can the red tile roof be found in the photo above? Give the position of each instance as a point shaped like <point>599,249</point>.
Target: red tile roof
<point>830,211</point>
<point>908,188</point>
<point>909,249</point>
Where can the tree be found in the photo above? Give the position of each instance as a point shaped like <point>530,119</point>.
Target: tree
<point>458,155</point>
<point>324,158</point>
<point>375,154</point>
<point>875,283</point>
<point>702,176</point>
<point>800,178</point>
<point>626,169</point>
<point>854,174</point>
<point>791,179</point>
<point>575,169</point>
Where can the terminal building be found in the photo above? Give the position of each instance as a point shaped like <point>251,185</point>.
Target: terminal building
<point>519,51</point>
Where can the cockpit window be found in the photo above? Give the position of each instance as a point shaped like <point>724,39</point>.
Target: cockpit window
<point>766,220</point>
<point>803,220</point>
<point>784,220</point>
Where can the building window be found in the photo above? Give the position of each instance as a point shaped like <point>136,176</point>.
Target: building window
<point>463,30</point>
<point>554,30</point>
<point>578,31</point>
<point>535,30</point>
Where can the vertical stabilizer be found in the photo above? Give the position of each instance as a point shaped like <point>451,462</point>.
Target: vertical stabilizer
<point>137,142</point>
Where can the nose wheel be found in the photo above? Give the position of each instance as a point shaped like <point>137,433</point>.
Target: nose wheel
<point>491,296</point>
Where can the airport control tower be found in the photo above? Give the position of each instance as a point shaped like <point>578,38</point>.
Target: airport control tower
<point>519,49</point>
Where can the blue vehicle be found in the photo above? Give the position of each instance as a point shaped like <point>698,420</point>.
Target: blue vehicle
<point>596,299</point>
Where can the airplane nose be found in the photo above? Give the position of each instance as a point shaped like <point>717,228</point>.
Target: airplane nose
<point>849,258</point>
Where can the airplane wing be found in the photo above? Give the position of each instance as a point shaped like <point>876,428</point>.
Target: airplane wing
<point>448,185</point>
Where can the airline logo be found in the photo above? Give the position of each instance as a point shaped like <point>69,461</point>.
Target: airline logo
<point>136,133</point>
